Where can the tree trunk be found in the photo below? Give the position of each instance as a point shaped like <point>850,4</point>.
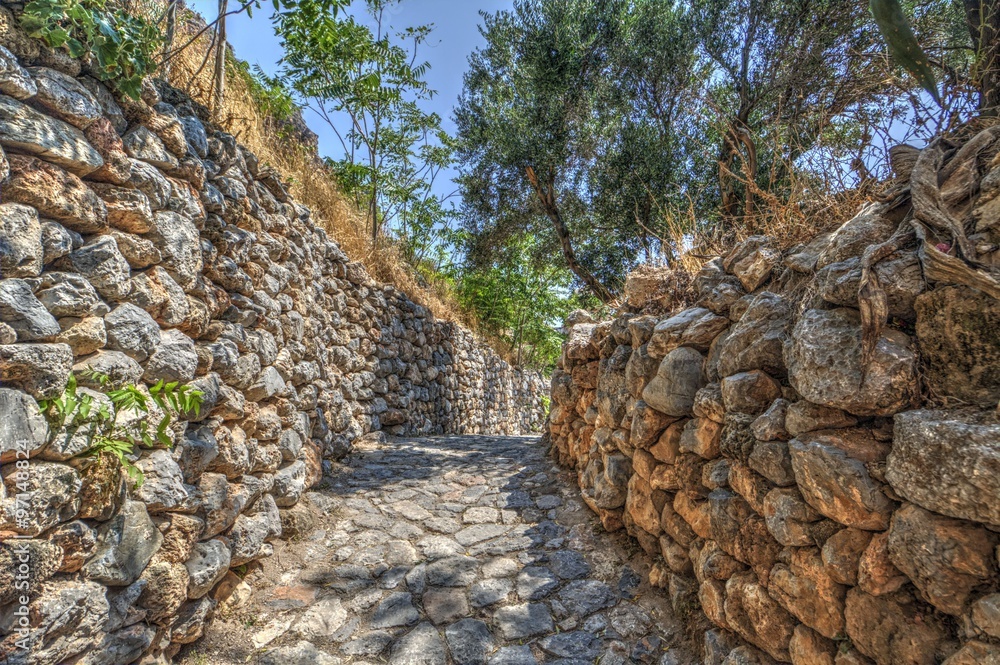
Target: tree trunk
<point>547,197</point>
<point>983,20</point>
<point>168,35</point>
<point>220,59</point>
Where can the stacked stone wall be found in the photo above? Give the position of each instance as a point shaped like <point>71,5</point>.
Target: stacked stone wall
<point>139,240</point>
<point>805,505</point>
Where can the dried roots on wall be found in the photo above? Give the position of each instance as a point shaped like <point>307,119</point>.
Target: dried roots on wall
<point>818,507</point>
<point>139,240</point>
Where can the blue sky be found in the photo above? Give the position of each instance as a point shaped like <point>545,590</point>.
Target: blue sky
<point>455,36</point>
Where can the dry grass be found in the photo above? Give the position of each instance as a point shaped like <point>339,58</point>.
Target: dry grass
<point>310,181</point>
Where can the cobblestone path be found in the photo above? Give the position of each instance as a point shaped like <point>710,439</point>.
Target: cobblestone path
<point>466,550</point>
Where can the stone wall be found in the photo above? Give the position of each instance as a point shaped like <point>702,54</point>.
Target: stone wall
<point>139,240</point>
<point>818,508</point>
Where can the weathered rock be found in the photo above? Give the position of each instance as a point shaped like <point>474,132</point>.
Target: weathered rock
<point>128,209</point>
<point>76,542</point>
<point>890,631</point>
<point>678,379</point>
<point>125,546</point>
<point>15,79</point>
<point>177,239</point>
<point>789,517</point>
<point>117,168</point>
<point>842,552</point>
<point>804,416</point>
<point>957,332</point>
<point>749,392</point>
<point>838,485</point>
<point>132,331</point>
<point>806,590</point>
<point>770,425</point>
<point>58,241</point>
<point>901,278</point>
<point>26,561</point>
<point>695,327</point>
<point>208,564</point>
<point>752,261</point>
<point>48,496</point>
<point>39,369</point>
<point>869,227</point>
<point>825,365</point>
<point>946,558</point>
<point>756,340</point>
<point>22,311</point>
<point>173,359</point>
<point>64,97</point>
<point>21,249</point>
<point>141,143</point>
<point>103,265</point>
<point>756,617</point>
<point>975,653</point>
<point>947,462</point>
<point>24,129</point>
<point>810,648</point>
<point>23,430</point>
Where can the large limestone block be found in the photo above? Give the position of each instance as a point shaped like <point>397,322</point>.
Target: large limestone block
<point>695,327</point>
<point>901,277</point>
<point>947,462</point>
<point>680,376</point>
<point>837,484</point>
<point>869,227</point>
<point>56,194</point>
<point>64,97</point>
<point>946,558</point>
<point>39,369</point>
<point>805,588</point>
<point>891,629</point>
<point>825,365</point>
<point>958,332</point>
<point>757,339</point>
<point>22,311</point>
<point>26,130</point>
<point>21,249</point>
<point>23,430</point>
<point>125,545</point>
<point>757,618</point>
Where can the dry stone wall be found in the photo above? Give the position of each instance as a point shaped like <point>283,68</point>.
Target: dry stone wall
<point>819,509</point>
<point>141,241</point>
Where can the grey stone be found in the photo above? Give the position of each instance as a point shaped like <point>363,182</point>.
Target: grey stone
<point>22,311</point>
<point>67,294</point>
<point>40,369</point>
<point>163,486</point>
<point>569,564</point>
<point>517,622</point>
<point>519,655</point>
<point>680,376</point>
<point>825,365</point>
<point>21,249</point>
<point>421,646</point>
<point>322,620</point>
<point>15,79</point>
<point>535,583</point>
<point>132,331</point>
<point>947,462</point>
<point>173,359</point>
<point>396,610</point>
<point>208,563</point>
<point>104,266</point>
<point>58,241</point>
<point>178,240</point>
<point>26,130</point>
<point>300,653</point>
<point>445,605</point>
<point>490,591</point>
<point>583,597</point>
<point>23,429</point>
<point>470,642</point>
<point>125,545</point>
<point>452,571</point>
<point>64,97</point>
<point>574,644</point>
<point>141,143</point>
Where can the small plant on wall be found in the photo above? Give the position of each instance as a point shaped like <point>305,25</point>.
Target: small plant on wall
<point>122,47</point>
<point>102,422</point>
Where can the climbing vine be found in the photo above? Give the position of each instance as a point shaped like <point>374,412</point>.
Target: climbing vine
<point>107,433</point>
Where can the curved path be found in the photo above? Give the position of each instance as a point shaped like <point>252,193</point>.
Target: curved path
<point>466,550</point>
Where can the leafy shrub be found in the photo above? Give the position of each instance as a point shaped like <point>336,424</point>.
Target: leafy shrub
<point>76,410</point>
<point>123,47</point>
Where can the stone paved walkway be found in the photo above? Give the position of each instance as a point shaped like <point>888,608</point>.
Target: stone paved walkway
<point>466,550</point>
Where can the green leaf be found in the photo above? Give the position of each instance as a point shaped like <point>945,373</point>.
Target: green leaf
<point>903,45</point>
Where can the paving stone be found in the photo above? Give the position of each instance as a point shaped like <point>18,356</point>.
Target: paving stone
<point>519,655</point>
<point>452,571</point>
<point>470,642</point>
<point>585,597</point>
<point>421,646</point>
<point>576,644</point>
<point>396,610</point>
<point>535,583</point>
<point>445,605</point>
<point>479,532</point>
<point>517,622</point>
<point>569,564</point>
<point>491,591</point>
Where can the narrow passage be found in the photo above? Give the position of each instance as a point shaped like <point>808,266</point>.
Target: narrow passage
<point>463,549</point>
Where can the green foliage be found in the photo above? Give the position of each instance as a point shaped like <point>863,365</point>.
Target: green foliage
<point>370,82</point>
<point>522,301</point>
<point>272,96</point>
<point>122,46</point>
<point>81,411</point>
<point>903,44</point>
